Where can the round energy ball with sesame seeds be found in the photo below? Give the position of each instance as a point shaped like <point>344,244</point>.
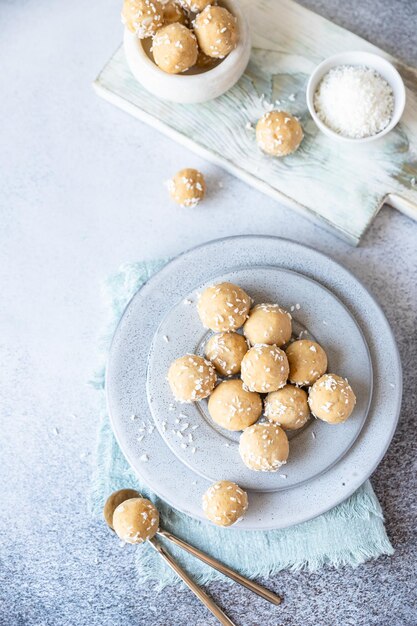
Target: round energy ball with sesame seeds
<point>287,407</point>
<point>216,31</point>
<point>223,307</point>
<point>307,360</point>
<point>278,133</point>
<point>233,407</point>
<point>226,351</point>
<point>142,17</point>
<point>264,447</point>
<point>113,501</point>
<point>191,378</point>
<point>264,368</point>
<point>136,520</point>
<point>331,399</point>
<point>187,188</point>
<point>268,323</point>
<point>174,48</point>
<point>173,13</point>
<point>224,503</point>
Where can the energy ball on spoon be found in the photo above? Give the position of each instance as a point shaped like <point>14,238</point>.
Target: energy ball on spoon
<point>226,351</point>
<point>278,133</point>
<point>191,378</point>
<point>264,368</point>
<point>142,17</point>
<point>264,447</point>
<point>224,503</point>
<point>331,399</point>
<point>223,307</point>
<point>216,31</point>
<point>173,13</point>
<point>307,360</point>
<point>187,188</point>
<point>174,48</point>
<point>233,407</point>
<point>268,323</point>
<point>136,520</point>
<point>114,500</point>
<point>287,407</point>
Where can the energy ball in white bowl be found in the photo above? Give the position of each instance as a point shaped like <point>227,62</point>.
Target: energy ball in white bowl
<point>226,351</point>
<point>191,378</point>
<point>143,17</point>
<point>173,13</point>
<point>224,503</point>
<point>331,399</point>
<point>264,447</point>
<point>287,407</point>
<point>278,133</point>
<point>264,368</point>
<point>174,48</point>
<point>187,188</point>
<point>268,323</point>
<point>307,360</point>
<point>223,307</point>
<point>136,520</point>
<point>233,407</point>
<point>217,32</point>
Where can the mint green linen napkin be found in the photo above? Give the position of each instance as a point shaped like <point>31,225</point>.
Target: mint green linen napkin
<point>351,533</point>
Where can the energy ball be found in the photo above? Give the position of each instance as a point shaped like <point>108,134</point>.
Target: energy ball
<point>331,399</point>
<point>187,187</point>
<point>224,503</point>
<point>142,17</point>
<point>216,31</point>
<point>264,368</point>
<point>191,378</point>
<point>173,13</point>
<point>264,447</point>
<point>226,351</point>
<point>114,500</point>
<point>195,5</point>
<point>136,520</point>
<point>307,360</point>
<point>232,407</point>
<point>278,133</point>
<point>174,48</point>
<point>223,307</point>
<point>269,324</point>
<point>287,407</point>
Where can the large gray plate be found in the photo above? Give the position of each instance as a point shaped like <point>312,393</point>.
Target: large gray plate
<point>332,469</point>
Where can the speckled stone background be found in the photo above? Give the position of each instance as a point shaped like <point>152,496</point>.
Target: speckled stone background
<point>81,192</point>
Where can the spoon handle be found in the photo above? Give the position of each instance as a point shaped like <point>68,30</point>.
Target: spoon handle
<point>201,595</point>
<point>209,560</point>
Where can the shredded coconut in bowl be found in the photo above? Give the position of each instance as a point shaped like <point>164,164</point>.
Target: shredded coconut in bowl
<point>354,101</point>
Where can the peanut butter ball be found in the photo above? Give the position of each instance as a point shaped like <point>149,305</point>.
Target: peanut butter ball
<point>173,13</point>
<point>287,407</point>
<point>223,307</point>
<point>268,323</point>
<point>187,188</point>
<point>278,133</point>
<point>264,447</point>
<point>264,368</point>
<point>331,399</point>
<point>142,17</point>
<point>224,503</point>
<point>307,360</point>
<point>136,520</point>
<point>191,378</point>
<point>113,501</point>
<point>174,48</point>
<point>226,351</point>
<point>233,407</point>
<point>216,31</point>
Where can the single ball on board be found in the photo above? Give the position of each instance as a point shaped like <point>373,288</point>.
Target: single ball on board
<point>191,378</point>
<point>195,6</point>
<point>224,503</point>
<point>331,399</point>
<point>173,13</point>
<point>232,407</point>
<point>142,17</point>
<point>174,48</point>
<point>278,133</point>
<point>136,520</point>
<point>264,447</point>
<point>287,407</point>
<point>268,323</point>
<point>307,360</point>
<point>223,307</point>
<point>113,501</point>
<point>187,188</point>
<point>216,31</point>
<point>226,351</point>
<point>264,368</point>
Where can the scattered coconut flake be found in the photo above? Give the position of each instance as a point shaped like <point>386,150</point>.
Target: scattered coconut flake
<point>144,458</point>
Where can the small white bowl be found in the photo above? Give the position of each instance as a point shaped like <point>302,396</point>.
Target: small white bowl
<point>191,88</point>
<point>381,65</point>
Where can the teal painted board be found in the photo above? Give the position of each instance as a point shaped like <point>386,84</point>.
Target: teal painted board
<point>340,185</point>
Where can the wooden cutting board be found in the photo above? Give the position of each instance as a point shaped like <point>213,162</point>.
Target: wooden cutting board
<point>340,185</point>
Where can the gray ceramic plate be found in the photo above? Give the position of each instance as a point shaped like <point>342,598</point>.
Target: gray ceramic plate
<point>327,463</point>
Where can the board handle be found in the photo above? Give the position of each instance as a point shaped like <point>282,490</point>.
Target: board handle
<point>406,207</point>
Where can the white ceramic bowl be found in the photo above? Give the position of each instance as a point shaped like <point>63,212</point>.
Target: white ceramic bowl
<point>381,65</point>
<point>191,88</point>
